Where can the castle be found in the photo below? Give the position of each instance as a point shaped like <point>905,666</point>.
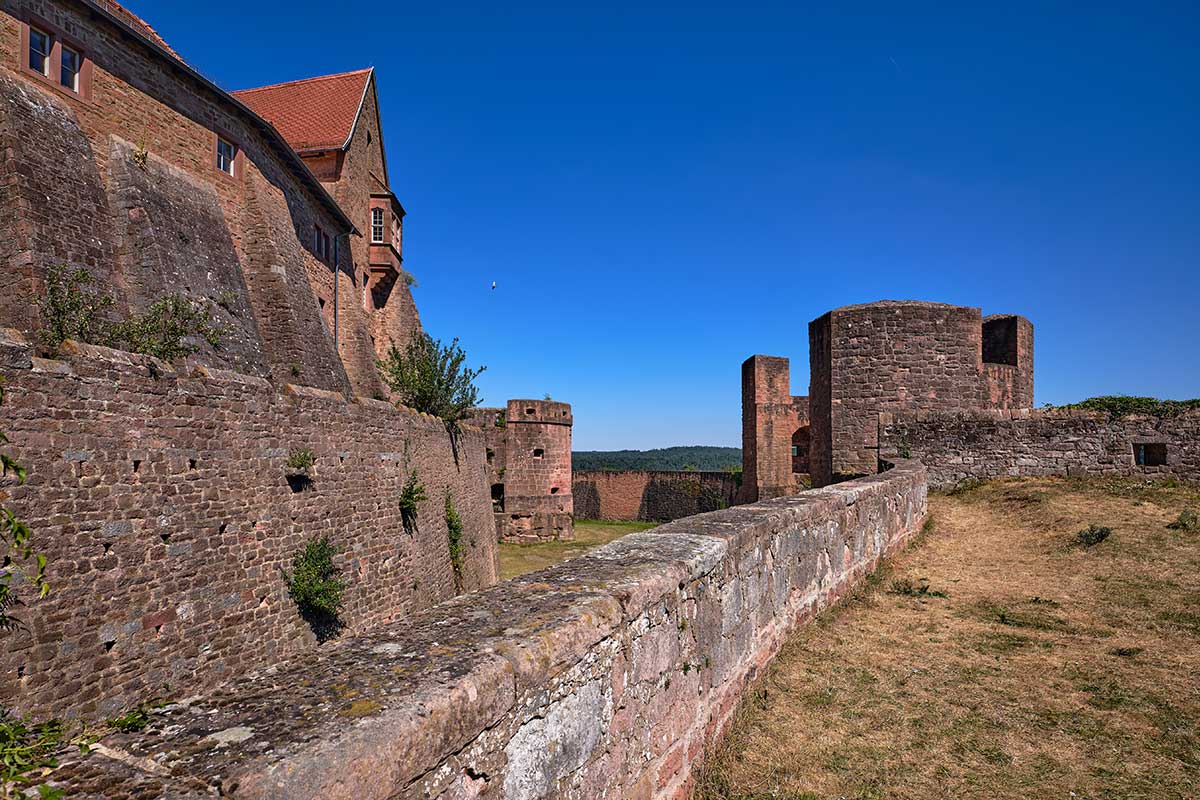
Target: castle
<point>939,383</point>
<point>168,490</point>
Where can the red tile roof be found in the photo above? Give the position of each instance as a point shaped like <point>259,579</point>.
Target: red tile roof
<point>312,114</point>
<point>137,23</point>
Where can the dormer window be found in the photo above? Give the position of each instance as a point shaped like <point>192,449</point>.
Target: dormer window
<point>226,156</point>
<point>377,227</point>
<point>72,65</point>
<point>40,46</point>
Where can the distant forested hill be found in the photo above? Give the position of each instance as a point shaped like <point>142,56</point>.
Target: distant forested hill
<point>668,458</point>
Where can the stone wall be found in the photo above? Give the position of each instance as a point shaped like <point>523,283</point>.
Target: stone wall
<point>159,496</point>
<point>991,444</point>
<point>907,356</point>
<point>649,495</point>
<point>605,676</point>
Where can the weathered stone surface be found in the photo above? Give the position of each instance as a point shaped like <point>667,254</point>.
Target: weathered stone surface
<point>604,676</point>
<point>160,497</point>
<point>1040,442</point>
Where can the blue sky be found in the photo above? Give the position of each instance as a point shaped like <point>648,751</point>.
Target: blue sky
<point>660,192</point>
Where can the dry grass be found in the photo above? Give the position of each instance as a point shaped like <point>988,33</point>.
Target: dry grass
<point>517,559</point>
<point>1049,670</point>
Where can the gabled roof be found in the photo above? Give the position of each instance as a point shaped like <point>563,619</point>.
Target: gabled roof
<point>315,113</point>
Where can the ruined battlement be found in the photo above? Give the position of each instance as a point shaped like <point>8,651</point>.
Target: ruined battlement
<point>898,355</point>
<point>541,412</point>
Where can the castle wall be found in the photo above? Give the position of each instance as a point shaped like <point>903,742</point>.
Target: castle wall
<point>160,498</point>
<point>609,675</point>
<point>907,355</point>
<point>650,495</point>
<point>74,196</point>
<point>990,444</point>
<point>771,417</point>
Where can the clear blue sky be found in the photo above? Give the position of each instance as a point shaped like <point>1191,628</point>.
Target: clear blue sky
<point>661,192</point>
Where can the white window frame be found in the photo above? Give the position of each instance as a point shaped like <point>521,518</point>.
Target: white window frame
<point>74,84</point>
<point>229,167</point>
<point>47,54</point>
<point>377,228</point>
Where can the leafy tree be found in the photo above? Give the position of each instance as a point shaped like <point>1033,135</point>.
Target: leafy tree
<point>432,378</point>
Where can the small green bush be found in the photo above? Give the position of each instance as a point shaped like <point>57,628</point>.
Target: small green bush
<point>454,534</point>
<point>906,587</point>
<point>411,496</point>
<point>1188,521</point>
<point>300,461</point>
<point>27,748</point>
<point>136,718</point>
<point>313,582</point>
<point>1092,535</point>
<point>70,310</point>
<point>432,378</point>
<point>1117,406</point>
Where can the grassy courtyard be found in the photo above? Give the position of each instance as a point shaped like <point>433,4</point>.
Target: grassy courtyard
<point>1000,657</point>
<point>517,559</point>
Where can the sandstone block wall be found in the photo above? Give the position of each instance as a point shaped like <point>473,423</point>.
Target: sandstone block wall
<point>159,496</point>
<point>907,356</point>
<point>991,444</point>
<point>650,495</point>
<point>605,676</point>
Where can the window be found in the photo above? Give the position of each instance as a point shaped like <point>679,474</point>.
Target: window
<point>226,155</point>
<point>72,65</point>
<point>40,45</point>
<point>377,226</point>
<point>538,452</point>
<point>1150,454</point>
<point>321,244</point>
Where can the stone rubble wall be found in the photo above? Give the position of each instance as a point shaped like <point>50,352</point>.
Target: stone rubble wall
<point>990,444</point>
<point>160,497</point>
<point>650,495</point>
<point>606,676</point>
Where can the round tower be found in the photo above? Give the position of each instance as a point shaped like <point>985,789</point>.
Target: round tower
<point>538,505</point>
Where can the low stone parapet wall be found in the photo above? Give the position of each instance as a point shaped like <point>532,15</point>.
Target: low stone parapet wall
<point>1033,442</point>
<point>650,495</point>
<point>606,676</point>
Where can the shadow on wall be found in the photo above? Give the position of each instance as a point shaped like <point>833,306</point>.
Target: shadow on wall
<point>651,496</point>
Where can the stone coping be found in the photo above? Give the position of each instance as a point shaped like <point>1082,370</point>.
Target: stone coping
<point>367,716</point>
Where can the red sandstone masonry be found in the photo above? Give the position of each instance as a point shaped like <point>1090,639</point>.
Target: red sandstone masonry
<point>160,498</point>
<point>650,495</point>
<point>991,444</point>
<point>605,676</point>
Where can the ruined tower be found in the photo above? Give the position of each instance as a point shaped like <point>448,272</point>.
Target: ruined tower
<point>907,356</point>
<point>775,431</point>
<point>529,460</point>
